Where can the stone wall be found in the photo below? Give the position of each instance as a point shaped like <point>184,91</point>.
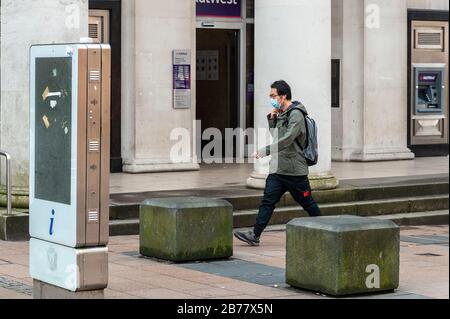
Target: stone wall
<point>372,121</point>
<point>24,23</point>
<point>151,31</point>
<point>428,4</point>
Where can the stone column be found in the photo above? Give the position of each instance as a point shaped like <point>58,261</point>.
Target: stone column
<point>152,29</point>
<point>293,43</point>
<point>428,4</point>
<point>347,120</point>
<point>371,123</point>
<point>385,82</point>
<point>24,23</point>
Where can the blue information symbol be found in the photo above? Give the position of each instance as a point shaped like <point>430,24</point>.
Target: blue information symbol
<point>52,219</point>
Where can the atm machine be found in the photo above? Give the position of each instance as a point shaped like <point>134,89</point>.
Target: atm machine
<point>429,90</point>
<point>69,165</point>
<point>428,108</point>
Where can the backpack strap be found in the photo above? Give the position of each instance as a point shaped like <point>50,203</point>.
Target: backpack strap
<point>295,106</point>
<point>306,125</point>
<point>305,114</point>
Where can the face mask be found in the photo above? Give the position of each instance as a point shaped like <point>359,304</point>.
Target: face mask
<point>275,104</point>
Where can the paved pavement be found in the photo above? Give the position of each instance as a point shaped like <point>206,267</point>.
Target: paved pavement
<point>225,175</point>
<point>251,274</point>
<point>243,192</point>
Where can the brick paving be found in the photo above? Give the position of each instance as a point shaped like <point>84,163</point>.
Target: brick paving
<point>424,271</point>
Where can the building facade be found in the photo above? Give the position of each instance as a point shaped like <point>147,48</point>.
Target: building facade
<point>373,73</point>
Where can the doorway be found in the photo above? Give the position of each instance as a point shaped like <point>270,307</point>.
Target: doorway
<point>105,26</point>
<point>218,79</point>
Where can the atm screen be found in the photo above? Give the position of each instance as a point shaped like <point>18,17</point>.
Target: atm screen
<point>428,95</point>
<point>53,129</point>
<point>428,91</point>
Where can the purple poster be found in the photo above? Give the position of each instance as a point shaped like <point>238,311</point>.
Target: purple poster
<point>182,77</point>
<point>219,8</point>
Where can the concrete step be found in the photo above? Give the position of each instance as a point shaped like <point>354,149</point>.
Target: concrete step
<point>282,215</point>
<point>434,218</point>
<point>418,219</point>
<point>124,227</point>
<point>400,208</point>
<point>247,200</point>
<point>368,193</point>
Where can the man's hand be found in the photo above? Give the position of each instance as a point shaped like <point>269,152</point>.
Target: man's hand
<point>274,114</point>
<point>256,155</point>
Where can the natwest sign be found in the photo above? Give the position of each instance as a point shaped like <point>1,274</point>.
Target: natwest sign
<point>219,8</point>
<point>428,77</point>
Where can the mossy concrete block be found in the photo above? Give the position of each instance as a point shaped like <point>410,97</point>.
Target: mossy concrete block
<point>186,229</point>
<point>14,227</point>
<point>20,197</point>
<point>323,182</point>
<point>343,255</point>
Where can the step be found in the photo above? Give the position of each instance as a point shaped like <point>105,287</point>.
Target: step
<point>124,227</point>
<point>343,195</point>
<point>282,215</point>
<point>418,219</point>
<point>252,200</point>
<point>409,219</point>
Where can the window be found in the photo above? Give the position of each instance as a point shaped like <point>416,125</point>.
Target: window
<point>250,91</point>
<point>250,9</point>
<point>336,83</point>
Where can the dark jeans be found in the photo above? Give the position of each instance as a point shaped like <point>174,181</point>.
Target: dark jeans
<point>276,186</point>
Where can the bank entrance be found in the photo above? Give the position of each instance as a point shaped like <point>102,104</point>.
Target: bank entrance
<point>224,72</point>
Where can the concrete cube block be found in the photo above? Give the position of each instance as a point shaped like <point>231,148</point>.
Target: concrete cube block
<point>186,229</point>
<point>343,255</point>
<point>14,227</point>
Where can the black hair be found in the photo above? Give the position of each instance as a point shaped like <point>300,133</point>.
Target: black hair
<point>283,89</point>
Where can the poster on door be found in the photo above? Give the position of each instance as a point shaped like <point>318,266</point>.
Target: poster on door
<point>208,65</point>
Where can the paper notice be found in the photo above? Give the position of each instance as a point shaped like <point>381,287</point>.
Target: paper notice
<point>46,121</point>
<point>53,104</point>
<point>47,94</point>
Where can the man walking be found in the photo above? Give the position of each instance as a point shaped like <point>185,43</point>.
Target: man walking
<point>288,167</point>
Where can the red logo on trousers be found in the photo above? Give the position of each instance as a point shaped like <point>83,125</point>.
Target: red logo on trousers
<point>306,194</point>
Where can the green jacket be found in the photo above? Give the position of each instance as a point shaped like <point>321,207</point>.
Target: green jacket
<point>290,131</point>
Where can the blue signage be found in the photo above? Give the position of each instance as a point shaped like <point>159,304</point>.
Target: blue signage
<point>52,220</point>
<point>219,8</point>
<point>181,77</point>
